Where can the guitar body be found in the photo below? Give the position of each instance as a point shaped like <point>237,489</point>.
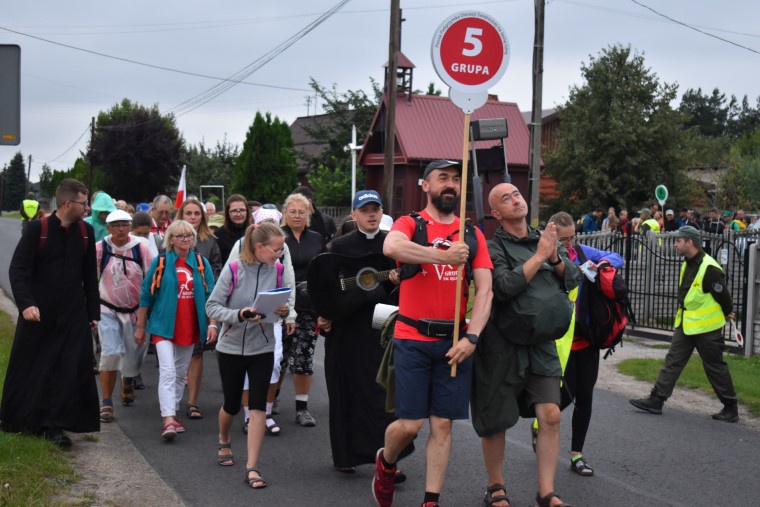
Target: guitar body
<point>340,285</point>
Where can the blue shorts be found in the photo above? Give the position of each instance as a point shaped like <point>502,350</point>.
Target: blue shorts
<point>424,385</point>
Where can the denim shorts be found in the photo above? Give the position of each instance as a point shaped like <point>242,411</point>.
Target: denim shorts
<point>424,385</point>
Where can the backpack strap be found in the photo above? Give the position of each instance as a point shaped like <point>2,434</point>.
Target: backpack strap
<point>420,237</point>
<point>105,255</point>
<point>234,270</point>
<point>85,236</point>
<point>280,270</point>
<point>202,269</point>
<point>43,233</point>
<point>158,274</point>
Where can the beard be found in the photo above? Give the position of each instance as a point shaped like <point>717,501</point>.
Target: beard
<point>445,202</point>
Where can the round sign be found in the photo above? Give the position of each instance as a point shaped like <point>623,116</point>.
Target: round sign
<point>661,193</point>
<point>470,51</point>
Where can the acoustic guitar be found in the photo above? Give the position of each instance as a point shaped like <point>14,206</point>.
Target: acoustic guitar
<point>339,285</point>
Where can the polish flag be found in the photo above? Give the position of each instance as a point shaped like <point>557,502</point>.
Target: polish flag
<point>181,190</point>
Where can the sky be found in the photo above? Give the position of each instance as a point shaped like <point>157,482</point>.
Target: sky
<point>62,88</point>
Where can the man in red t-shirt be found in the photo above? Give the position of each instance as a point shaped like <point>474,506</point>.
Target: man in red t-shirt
<point>422,362</point>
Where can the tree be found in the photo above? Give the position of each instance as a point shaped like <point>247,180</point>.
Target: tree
<point>619,137</point>
<point>709,114</point>
<point>739,188</point>
<point>46,181</point>
<point>330,183</point>
<point>207,166</point>
<point>14,188</point>
<point>137,150</point>
<point>266,168</point>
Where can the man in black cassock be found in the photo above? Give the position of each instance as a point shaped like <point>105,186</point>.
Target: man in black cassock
<point>49,385</point>
<point>353,353</point>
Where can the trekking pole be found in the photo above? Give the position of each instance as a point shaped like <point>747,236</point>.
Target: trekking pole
<point>462,217</point>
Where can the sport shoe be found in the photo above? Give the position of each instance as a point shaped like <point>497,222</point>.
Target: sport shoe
<point>169,432</point>
<point>245,426</point>
<point>652,404</point>
<point>305,419</point>
<point>178,426</point>
<point>139,384</point>
<point>533,437</point>
<point>581,467</point>
<point>383,482</point>
<point>730,413</point>
<point>276,406</point>
<point>431,504</point>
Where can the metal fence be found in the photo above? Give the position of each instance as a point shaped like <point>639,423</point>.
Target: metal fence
<point>653,267</point>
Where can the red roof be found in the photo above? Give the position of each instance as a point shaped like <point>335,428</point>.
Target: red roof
<point>430,127</point>
<point>402,62</point>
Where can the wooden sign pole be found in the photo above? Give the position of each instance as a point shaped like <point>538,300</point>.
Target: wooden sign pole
<point>462,218</point>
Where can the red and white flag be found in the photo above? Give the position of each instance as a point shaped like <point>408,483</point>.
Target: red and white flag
<point>181,190</point>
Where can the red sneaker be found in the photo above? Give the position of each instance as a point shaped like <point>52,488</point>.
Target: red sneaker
<point>179,427</point>
<point>383,482</point>
<point>431,504</point>
<point>169,432</point>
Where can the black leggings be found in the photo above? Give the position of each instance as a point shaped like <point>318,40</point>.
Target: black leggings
<point>232,369</point>
<point>580,374</point>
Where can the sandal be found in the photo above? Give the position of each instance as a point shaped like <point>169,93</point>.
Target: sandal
<point>127,394</point>
<point>193,412</point>
<point>227,459</point>
<point>254,482</point>
<point>581,467</point>
<point>106,413</point>
<point>547,500</point>
<point>491,498</point>
<point>272,429</point>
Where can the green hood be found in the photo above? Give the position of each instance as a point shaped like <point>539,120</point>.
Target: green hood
<point>103,202</point>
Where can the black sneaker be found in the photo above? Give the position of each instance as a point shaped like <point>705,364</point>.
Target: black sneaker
<point>57,437</point>
<point>139,384</point>
<point>652,404</point>
<point>730,413</point>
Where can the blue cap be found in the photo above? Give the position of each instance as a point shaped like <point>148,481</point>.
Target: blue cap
<point>363,197</point>
<point>143,206</point>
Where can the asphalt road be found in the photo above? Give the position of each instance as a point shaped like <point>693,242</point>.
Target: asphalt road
<point>677,459</point>
<point>10,232</point>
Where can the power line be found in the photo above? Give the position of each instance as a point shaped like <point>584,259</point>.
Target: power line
<point>694,28</point>
<point>69,148</point>
<point>150,65</point>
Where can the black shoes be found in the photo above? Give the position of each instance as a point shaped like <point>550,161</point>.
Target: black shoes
<point>730,413</point>
<point>56,437</point>
<point>652,403</point>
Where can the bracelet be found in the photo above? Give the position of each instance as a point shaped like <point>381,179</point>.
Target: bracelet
<point>213,326</point>
<point>559,261</point>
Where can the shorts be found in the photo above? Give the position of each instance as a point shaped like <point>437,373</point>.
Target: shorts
<point>234,368</point>
<point>298,348</point>
<point>424,385</point>
<point>119,351</point>
<point>539,389</point>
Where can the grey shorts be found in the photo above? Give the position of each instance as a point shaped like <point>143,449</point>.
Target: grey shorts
<point>539,389</point>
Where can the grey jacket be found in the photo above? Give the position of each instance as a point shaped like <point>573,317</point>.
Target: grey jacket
<point>236,337</point>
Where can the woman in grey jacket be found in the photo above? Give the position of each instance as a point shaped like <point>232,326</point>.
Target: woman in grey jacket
<point>245,344</point>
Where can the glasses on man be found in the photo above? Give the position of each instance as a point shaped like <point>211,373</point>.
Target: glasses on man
<point>184,237</point>
<point>296,213</point>
<point>83,203</point>
<point>166,212</point>
<point>238,211</point>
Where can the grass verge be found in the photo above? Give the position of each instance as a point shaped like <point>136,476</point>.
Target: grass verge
<point>745,373</point>
<point>32,471</point>
<point>11,214</point>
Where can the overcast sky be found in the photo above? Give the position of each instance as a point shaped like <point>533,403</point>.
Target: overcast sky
<point>62,88</point>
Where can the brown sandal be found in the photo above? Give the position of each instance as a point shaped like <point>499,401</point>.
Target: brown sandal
<point>106,413</point>
<point>227,459</point>
<point>491,498</point>
<point>254,482</point>
<point>547,500</point>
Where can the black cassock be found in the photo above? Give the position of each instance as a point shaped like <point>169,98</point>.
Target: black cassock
<point>50,382</point>
<point>352,357</point>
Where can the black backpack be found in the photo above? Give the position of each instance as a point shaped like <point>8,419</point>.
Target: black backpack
<point>605,308</point>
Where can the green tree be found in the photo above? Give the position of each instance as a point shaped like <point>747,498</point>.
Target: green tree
<point>739,188</point>
<point>46,181</point>
<point>137,150</point>
<point>332,184</point>
<point>620,137</point>
<point>266,167</point>
<point>709,114</point>
<point>210,166</point>
<point>14,188</point>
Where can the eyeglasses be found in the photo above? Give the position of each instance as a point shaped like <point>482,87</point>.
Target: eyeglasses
<point>184,237</point>
<point>238,211</point>
<point>83,203</point>
<point>296,213</point>
<point>567,238</point>
<point>164,212</point>
<point>120,225</point>
<point>277,252</point>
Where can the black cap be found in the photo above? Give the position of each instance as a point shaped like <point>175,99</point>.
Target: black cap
<point>438,164</point>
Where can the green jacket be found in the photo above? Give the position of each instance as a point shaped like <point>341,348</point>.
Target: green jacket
<point>103,202</point>
<point>502,357</point>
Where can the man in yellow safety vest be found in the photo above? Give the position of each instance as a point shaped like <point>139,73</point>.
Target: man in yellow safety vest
<point>29,209</point>
<point>704,304</point>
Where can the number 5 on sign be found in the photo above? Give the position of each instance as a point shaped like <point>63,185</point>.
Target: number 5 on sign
<point>470,38</point>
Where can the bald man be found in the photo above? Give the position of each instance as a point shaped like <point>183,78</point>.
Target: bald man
<point>516,368</point>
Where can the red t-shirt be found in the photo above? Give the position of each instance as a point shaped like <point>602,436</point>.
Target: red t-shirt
<point>186,330</point>
<point>430,293</point>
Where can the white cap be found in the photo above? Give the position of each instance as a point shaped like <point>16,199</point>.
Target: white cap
<point>386,222</point>
<point>118,216</point>
<point>669,212</point>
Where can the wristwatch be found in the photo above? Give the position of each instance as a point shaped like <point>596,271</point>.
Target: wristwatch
<point>559,261</point>
<point>472,337</point>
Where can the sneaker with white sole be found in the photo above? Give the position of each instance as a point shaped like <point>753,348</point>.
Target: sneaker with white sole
<point>383,482</point>
<point>169,432</point>
<point>305,419</point>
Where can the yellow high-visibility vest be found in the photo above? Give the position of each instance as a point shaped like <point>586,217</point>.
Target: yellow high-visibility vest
<point>653,224</point>
<point>701,313</point>
<point>30,208</point>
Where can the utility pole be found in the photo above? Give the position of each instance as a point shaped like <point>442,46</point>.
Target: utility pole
<point>534,182</point>
<point>89,157</point>
<point>28,175</point>
<point>390,110</point>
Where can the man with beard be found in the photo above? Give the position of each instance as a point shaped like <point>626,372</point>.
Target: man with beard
<point>352,348</point>
<point>423,351</point>
<point>49,386</point>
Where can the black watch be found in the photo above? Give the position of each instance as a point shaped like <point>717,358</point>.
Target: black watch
<point>472,337</point>
<point>559,261</point>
